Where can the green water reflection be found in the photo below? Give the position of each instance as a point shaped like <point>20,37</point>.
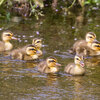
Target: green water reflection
<point>22,81</point>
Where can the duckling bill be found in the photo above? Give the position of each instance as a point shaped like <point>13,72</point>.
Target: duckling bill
<point>5,44</point>
<point>76,68</point>
<point>50,65</point>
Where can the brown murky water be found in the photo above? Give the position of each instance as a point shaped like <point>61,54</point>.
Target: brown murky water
<point>20,80</point>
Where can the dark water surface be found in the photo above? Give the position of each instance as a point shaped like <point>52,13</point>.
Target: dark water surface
<point>20,80</point>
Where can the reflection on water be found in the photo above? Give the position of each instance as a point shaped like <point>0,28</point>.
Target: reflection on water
<point>20,80</point>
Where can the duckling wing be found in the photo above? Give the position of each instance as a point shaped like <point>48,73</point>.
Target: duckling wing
<point>79,43</point>
<point>80,46</point>
<point>17,54</point>
<point>2,46</point>
<point>69,67</point>
<point>41,66</point>
<point>27,57</point>
<point>93,52</point>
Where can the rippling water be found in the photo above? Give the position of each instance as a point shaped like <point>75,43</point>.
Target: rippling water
<point>20,80</point>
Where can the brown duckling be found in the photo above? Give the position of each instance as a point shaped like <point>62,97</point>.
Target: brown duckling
<point>5,44</point>
<point>80,45</point>
<point>38,44</point>
<point>26,53</point>
<point>50,65</point>
<point>76,68</point>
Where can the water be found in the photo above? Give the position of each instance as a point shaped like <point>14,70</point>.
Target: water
<point>20,80</point>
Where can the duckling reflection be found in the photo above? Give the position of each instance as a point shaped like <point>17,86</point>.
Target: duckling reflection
<point>78,87</point>
<point>31,64</point>
<point>50,65</point>
<point>81,45</point>
<point>9,66</point>
<point>25,53</point>
<point>51,79</point>
<point>38,43</point>
<point>76,68</point>
<point>5,44</point>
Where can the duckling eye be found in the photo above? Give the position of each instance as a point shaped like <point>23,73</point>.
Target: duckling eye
<point>77,59</point>
<point>38,41</point>
<point>51,61</point>
<point>90,37</point>
<point>97,45</point>
<point>32,49</point>
<point>8,35</point>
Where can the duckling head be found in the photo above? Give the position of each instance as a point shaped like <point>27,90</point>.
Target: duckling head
<point>31,50</point>
<point>96,46</point>
<point>7,36</point>
<point>37,42</point>
<point>90,37</point>
<point>52,62</point>
<point>79,60</point>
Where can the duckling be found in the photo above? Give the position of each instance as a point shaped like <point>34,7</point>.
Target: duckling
<point>26,53</point>
<point>38,43</point>
<point>76,68</point>
<point>50,65</point>
<point>81,45</point>
<point>5,45</point>
<point>95,49</point>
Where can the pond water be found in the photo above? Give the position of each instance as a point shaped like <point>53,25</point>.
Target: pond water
<point>20,80</point>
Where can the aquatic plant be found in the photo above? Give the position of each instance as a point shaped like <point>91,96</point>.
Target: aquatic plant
<point>27,8</point>
<point>92,2</point>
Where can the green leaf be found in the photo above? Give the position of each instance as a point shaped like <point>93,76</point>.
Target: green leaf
<point>96,1</point>
<point>87,2</point>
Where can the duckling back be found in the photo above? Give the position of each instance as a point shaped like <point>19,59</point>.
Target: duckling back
<point>79,46</point>
<point>17,54</point>
<point>42,66</point>
<point>2,47</point>
<point>69,67</point>
<point>73,70</point>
